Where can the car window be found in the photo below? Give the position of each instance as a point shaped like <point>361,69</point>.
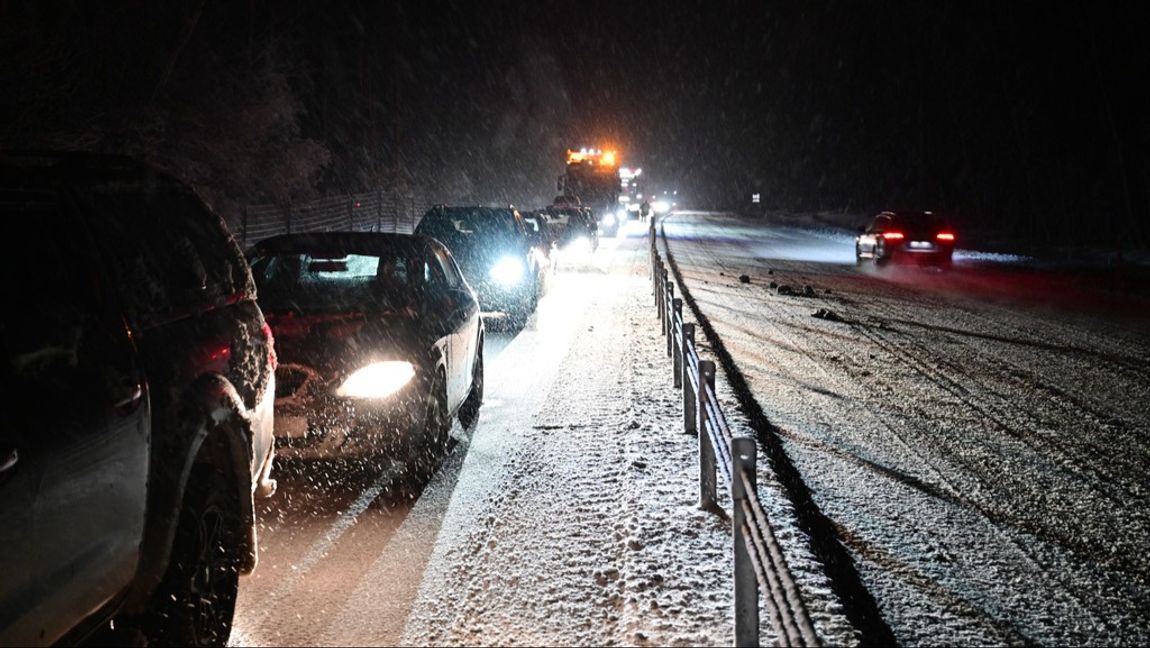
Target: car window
<point>451,275</point>
<point>54,284</point>
<point>453,223</point>
<point>331,283</point>
<point>172,254</point>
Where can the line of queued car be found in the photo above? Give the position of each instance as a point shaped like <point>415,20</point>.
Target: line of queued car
<point>141,377</point>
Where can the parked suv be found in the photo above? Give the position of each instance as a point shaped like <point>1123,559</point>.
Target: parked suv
<point>138,385</point>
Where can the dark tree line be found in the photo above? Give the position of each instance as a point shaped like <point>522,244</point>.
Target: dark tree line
<point>1029,119</point>
<point>256,102</point>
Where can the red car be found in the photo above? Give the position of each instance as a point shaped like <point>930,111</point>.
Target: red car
<point>921,238</point>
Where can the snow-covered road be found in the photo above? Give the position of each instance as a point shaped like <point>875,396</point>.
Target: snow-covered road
<point>567,516</point>
<point>978,439</point>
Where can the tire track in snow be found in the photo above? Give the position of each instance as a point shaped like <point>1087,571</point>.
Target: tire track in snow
<point>965,396</point>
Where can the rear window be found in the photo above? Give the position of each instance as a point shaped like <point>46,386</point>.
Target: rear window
<point>312,283</point>
<point>172,254</point>
<point>919,221</point>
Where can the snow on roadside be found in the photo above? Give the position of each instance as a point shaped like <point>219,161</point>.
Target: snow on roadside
<point>983,459</point>
<point>577,523</point>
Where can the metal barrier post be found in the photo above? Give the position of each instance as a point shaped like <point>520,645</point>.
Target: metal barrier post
<point>743,453</point>
<point>662,303</point>
<point>707,468</point>
<point>689,398</point>
<point>669,324</point>
<point>677,352</point>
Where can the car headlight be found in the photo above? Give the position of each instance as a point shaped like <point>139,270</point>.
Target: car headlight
<point>608,219</point>
<point>579,245</point>
<point>377,380</point>
<point>508,271</point>
<point>661,206</point>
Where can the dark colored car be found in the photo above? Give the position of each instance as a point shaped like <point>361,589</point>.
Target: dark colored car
<point>379,342</point>
<point>574,227</point>
<point>541,233</point>
<point>910,237</point>
<point>505,265</point>
<point>138,386</point>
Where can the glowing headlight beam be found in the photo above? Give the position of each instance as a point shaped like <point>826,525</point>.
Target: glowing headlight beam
<point>508,271</point>
<point>377,380</point>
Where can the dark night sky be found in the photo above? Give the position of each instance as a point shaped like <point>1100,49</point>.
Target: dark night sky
<point>1028,117</point>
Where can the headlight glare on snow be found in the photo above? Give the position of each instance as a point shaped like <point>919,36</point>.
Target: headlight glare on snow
<point>508,271</point>
<point>377,380</point>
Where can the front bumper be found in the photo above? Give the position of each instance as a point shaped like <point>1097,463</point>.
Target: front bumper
<point>495,297</point>
<point>311,422</point>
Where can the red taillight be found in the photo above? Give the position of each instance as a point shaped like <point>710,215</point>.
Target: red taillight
<point>892,236</point>
<point>945,236</point>
<point>272,360</point>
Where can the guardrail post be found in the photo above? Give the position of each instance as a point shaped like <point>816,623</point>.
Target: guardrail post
<point>689,397</point>
<point>743,453</point>
<point>707,469</point>
<point>677,354</point>
<point>669,324</point>
<point>662,298</point>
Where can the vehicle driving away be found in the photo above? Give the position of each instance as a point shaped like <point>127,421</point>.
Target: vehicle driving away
<point>501,261</point>
<point>138,380</point>
<point>379,342</point>
<point>912,237</point>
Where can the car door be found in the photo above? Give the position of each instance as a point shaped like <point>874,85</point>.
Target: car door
<point>867,243</point>
<point>76,419</point>
<point>462,323</point>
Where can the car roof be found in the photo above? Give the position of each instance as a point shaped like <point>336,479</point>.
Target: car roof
<point>905,214</point>
<point>342,243</point>
<point>71,170</point>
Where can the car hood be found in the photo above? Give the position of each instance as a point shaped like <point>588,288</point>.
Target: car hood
<point>337,343</point>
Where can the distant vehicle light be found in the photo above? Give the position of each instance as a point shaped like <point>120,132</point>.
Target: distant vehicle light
<point>377,380</point>
<point>945,236</point>
<point>661,206</point>
<point>609,218</point>
<point>893,236</point>
<point>508,271</point>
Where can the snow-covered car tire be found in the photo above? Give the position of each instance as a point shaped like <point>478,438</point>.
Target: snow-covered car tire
<point>427,447</point>
<point>196,600</point>
<point>469,411</point>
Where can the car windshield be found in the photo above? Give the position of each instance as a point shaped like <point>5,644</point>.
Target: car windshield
<point>566,216</point>
<point>331,283</point>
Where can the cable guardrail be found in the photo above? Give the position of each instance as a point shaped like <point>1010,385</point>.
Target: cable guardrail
<point>760,566</point>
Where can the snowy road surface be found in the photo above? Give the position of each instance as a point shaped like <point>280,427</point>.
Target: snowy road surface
<point>979,439</point>
<point>567,516</point>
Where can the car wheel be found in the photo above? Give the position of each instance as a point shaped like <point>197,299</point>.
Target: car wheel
<point>196,600</point>
<point>880,257</point>
<point>424,456</point>
<point>469,411</point>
